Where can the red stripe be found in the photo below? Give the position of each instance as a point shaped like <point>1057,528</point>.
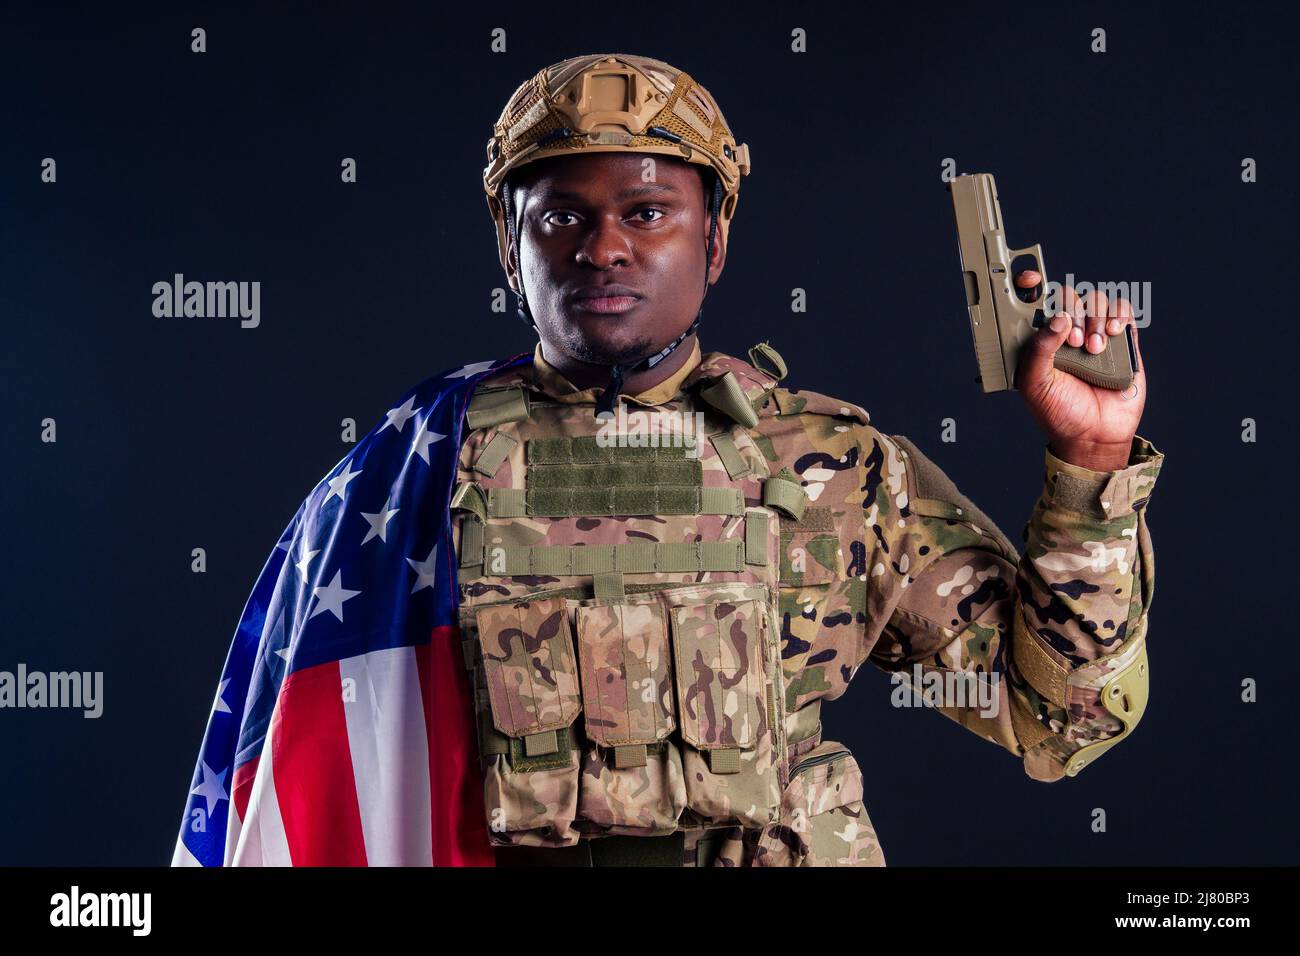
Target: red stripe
<point>243,786</point>
<point>312,763</point>
<point>455,782</point>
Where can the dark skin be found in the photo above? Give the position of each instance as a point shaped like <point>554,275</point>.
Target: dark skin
<point>593,219</point>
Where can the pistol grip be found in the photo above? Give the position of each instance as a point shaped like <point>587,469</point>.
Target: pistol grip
<point>1113,367</point>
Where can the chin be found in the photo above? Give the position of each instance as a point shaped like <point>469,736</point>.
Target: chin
<point>608,338</point>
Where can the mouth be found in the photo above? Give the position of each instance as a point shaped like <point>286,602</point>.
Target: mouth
<point>605,300</point>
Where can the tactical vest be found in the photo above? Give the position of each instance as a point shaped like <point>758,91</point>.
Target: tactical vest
<point>619,609</point>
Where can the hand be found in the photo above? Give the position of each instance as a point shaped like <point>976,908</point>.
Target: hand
<point>1085,424</point>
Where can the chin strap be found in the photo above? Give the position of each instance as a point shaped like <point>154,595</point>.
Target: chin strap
<point>619,370</point>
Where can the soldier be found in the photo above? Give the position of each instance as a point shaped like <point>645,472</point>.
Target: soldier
<point>668,559</point>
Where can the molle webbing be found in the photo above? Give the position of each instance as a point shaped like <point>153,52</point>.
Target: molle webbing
<point>653,500</point>
<point>569,476</point>
<point>691,556</point>
<point>588,449</point>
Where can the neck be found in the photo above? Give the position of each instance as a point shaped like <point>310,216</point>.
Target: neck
<point>586,375</point>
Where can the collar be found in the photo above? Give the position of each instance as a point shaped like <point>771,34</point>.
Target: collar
<point>550,380</point>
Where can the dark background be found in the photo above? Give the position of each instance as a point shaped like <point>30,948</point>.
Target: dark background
<point>183,433</point>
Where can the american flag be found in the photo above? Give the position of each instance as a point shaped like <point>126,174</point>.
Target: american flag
<point>340,733</point>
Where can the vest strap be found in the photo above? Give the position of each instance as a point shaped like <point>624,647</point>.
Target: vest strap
<point>468,496</point>
<point>724,760</point>
<point>756,537</point>
<point>496,406</point>
<point>629,755</point>
<point>726,395</point>
<point>732,460</point>
<point>497,450</point>
<point>783,492</point>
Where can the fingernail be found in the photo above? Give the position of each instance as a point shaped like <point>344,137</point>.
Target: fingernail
<point>1058,324</point>
<point>1113,326</point>
<point>1094,342</point>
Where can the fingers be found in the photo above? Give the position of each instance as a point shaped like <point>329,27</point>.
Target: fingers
<point>1094,318</point>
<point>1094,323</point>
<point>1073,308</point>
<point>1036,361</point>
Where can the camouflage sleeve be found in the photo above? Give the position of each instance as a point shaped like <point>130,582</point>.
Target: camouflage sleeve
<point>1045,653</point>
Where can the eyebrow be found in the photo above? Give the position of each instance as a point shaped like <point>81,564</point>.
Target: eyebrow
<point>631,192</point>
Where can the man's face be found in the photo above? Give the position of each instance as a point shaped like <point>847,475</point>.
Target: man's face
<point>591,221</point>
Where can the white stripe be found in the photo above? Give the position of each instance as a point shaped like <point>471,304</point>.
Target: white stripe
<point>384,709</point>
<point>183,856</point>
<point>262,840</point>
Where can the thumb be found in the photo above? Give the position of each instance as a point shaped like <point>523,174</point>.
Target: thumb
<point>1036,363</point>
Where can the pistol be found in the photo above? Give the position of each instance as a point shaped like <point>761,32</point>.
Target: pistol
<point>1000,320</point>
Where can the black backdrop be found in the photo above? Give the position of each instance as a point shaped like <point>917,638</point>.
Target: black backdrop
<point>183,433</point>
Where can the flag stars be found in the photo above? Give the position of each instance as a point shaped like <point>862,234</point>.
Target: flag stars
<point>426,570</point>
<point>424,438</point>
<point>397,417</point>
<point>211,789</point>
<point>331,597</point>
<point>219,706</point>
<point>472,369</point>
<point>379,523</point>
<point>339,483</point>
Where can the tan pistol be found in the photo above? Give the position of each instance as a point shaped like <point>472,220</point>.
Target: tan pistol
<point>999,320</point>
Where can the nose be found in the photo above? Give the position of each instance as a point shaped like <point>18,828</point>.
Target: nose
<point>605,244</point>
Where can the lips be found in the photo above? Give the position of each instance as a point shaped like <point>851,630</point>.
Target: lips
<point>606,299</point>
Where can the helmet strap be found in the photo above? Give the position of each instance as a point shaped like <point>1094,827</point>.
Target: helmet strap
<point>605,404</point>
<point>521,309</point>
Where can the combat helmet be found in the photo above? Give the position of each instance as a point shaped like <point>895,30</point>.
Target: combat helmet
<point>613,103</point>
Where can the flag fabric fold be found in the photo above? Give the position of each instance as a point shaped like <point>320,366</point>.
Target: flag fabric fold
<point>340,733</point>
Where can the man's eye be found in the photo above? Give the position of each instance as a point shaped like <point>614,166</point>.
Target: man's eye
<point>558,212</point>
<point>659,212</point>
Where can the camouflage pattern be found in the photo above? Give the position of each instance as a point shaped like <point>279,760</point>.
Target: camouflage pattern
<point>531,674</point>
<point>888,563</point>
<point>626,686</point>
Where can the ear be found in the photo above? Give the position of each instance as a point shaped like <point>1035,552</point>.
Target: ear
<point>719,259</point>
<point>512,264</point>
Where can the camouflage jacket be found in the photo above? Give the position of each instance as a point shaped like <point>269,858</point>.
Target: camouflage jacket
<point>880,559</point>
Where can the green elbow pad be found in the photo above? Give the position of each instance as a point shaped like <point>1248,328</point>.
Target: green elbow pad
<point>1125,696</point>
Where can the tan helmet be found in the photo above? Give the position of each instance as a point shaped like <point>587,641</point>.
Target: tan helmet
<point>615,102</point>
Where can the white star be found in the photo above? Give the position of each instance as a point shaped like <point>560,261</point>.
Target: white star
<point>379,523</point>
<point>211,789</point>
<point>304,561</point>
<point>424,438</point>
<point>426,570</point>
<point>397,416</point>
<point>283,654</point>
<point>332,597</point>
<point>219,706</point>
<point>472,369</point>
<point>339,483</point>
